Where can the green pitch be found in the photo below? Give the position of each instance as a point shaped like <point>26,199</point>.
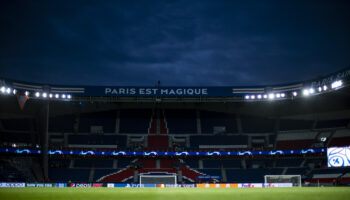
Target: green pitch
<point>175,193</point>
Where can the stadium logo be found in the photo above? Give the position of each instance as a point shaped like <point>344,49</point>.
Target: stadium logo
<point>307,151</point>
<point>245,153</point>
<point>55,152</point>
<point>182,153</point>
<point>276,152</point>
<point>215,153</point>
<point>87,153</point>
<point>152,153</point>
<point>23,151</point>
<point>118,153</point>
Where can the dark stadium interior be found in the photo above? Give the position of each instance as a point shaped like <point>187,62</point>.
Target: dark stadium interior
<point>176,126</point>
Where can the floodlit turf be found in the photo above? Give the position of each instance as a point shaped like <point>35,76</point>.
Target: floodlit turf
<point>321,193</point>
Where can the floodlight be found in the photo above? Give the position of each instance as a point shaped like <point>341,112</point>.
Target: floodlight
<point>14,91</point>
<point>271,96</point>
<point>50,95</point>
<point>265,96</point>
<point>57,96</point>
<point>69,96</point>
<point>8,90</point>
<point>37,94</point>
<point>252,97</point>
<point>26,93</point>
<point>319,89</point>
<point>283,95</point>
<point>247,97</point>
<point>325,87</point>
<point>278,95</point>
<point>337,84</point>
<point>44,94</point>
<point>3,89</point>
<point>259,96</point>
<point>306,92</point>
<point>63,96</point>
<point>295,94</point>
<point>311,91</point>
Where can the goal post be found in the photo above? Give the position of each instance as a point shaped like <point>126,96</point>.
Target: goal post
<point>294,180</point>
<point>158,179</point>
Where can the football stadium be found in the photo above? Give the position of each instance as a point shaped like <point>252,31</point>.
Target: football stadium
<point>288,141</point>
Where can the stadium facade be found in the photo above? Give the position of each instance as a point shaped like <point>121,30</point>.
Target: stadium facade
<point>168,135</point>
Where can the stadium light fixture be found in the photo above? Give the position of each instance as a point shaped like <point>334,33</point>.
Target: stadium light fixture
<point>265,96</point>
<point>247,97</point>
<point>63,96</point>
<point>69,96</point>
<point>57,96</point>
<point>320,89</point>
<point>8,90</point>
<point>252,97</point>
<point>283,95</point>
<point>337,84</point>
<point>295,93</point>
<point>3,89</point>
<point>50,95</point>
<point>306,92</point>
<point>44,94</point>
<point>325,88</point>
<point>259,96</point>
<point>278,95</point>
<point>14,91</point>
<point>311,91</point>
<point>26,93</point>
<point>271,96</point>
<point>37,94</point>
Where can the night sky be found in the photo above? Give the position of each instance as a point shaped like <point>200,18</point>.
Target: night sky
<point>180,43</point>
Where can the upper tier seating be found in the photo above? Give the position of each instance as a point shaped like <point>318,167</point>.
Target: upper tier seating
<point>332,123</point>
<point>257,124</point>
<point>105,119</point>
<point>290,124</point>
<point>211,119</point>
<point>135,120</point>
<point>181,121</point>
<point>218,140</point>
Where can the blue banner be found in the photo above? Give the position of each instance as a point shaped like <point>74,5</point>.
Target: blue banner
<point>156,153</point>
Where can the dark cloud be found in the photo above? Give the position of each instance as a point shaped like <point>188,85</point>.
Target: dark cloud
<point>178,42</point>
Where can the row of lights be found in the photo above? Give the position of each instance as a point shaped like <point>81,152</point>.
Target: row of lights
<point>50,95</point>
<point>265,96</point>
<point>44,95</point>
<point>306,92</point>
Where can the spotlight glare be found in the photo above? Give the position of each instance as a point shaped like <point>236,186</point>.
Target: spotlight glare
<point>337,84</point>
<point>271,96</point>
<point>63,96</point>
<point>306,92</point>
<point>3,89</point>
<point>265,96</point>
<point>50,95</point>
<point>26,93</point>
<point>44,94</point>
<point>325,87</point>
<point>259,96</point>
<point>252,97</point>
<point>278,95</point>
<point>283,95</point>
<point>247,97</point>
<point>57,96</point>
<point>295,94</point>
<point>14,91</point>
<point>8,90</point>
<point>319,89</point>
<point>37,94</point>
<point>69,96</point>
<point>311,91</point>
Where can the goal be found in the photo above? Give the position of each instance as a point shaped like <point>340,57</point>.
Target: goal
<point>283,180</point>
<point>158,179</point>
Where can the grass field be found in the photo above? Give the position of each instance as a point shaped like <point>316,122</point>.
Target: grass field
<point>330,193</point>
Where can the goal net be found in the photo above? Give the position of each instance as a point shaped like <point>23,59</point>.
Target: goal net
<point>287,180</point>
<point>158,179</point>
